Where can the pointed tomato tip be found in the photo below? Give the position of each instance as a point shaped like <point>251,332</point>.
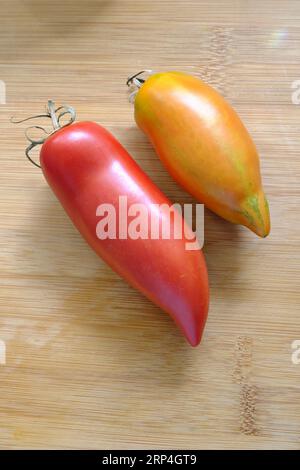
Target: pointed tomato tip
<point>256,214</point>
<point>262,229</point>
<point>194,337</point>
<point>194,344</point>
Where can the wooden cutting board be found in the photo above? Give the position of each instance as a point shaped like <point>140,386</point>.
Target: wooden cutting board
<point>90,363</point>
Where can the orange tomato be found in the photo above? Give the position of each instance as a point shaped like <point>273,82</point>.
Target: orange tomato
<point>205,146</point>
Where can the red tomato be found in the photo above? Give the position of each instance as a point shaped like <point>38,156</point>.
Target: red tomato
<point>86,166</point>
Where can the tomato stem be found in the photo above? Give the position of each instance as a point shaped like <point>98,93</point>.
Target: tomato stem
<point>135,82</point>
<point>52,112</point>
<point>56,115</point>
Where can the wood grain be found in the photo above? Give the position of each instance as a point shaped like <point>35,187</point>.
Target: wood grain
<point>91,363</point>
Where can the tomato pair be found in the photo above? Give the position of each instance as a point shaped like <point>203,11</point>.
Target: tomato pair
<point>206,148</point>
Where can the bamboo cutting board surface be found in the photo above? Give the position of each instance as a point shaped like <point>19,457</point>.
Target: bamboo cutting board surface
<point>90,363</point>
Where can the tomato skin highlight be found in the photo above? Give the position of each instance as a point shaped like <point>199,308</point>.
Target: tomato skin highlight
<point>205,147</point>
<point>86,166</point>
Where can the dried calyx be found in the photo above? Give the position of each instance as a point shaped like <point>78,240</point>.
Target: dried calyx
<point>136,81</point>
<point>55,115</point>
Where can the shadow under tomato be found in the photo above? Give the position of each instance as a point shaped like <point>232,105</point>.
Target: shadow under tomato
<point>94,300</point>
